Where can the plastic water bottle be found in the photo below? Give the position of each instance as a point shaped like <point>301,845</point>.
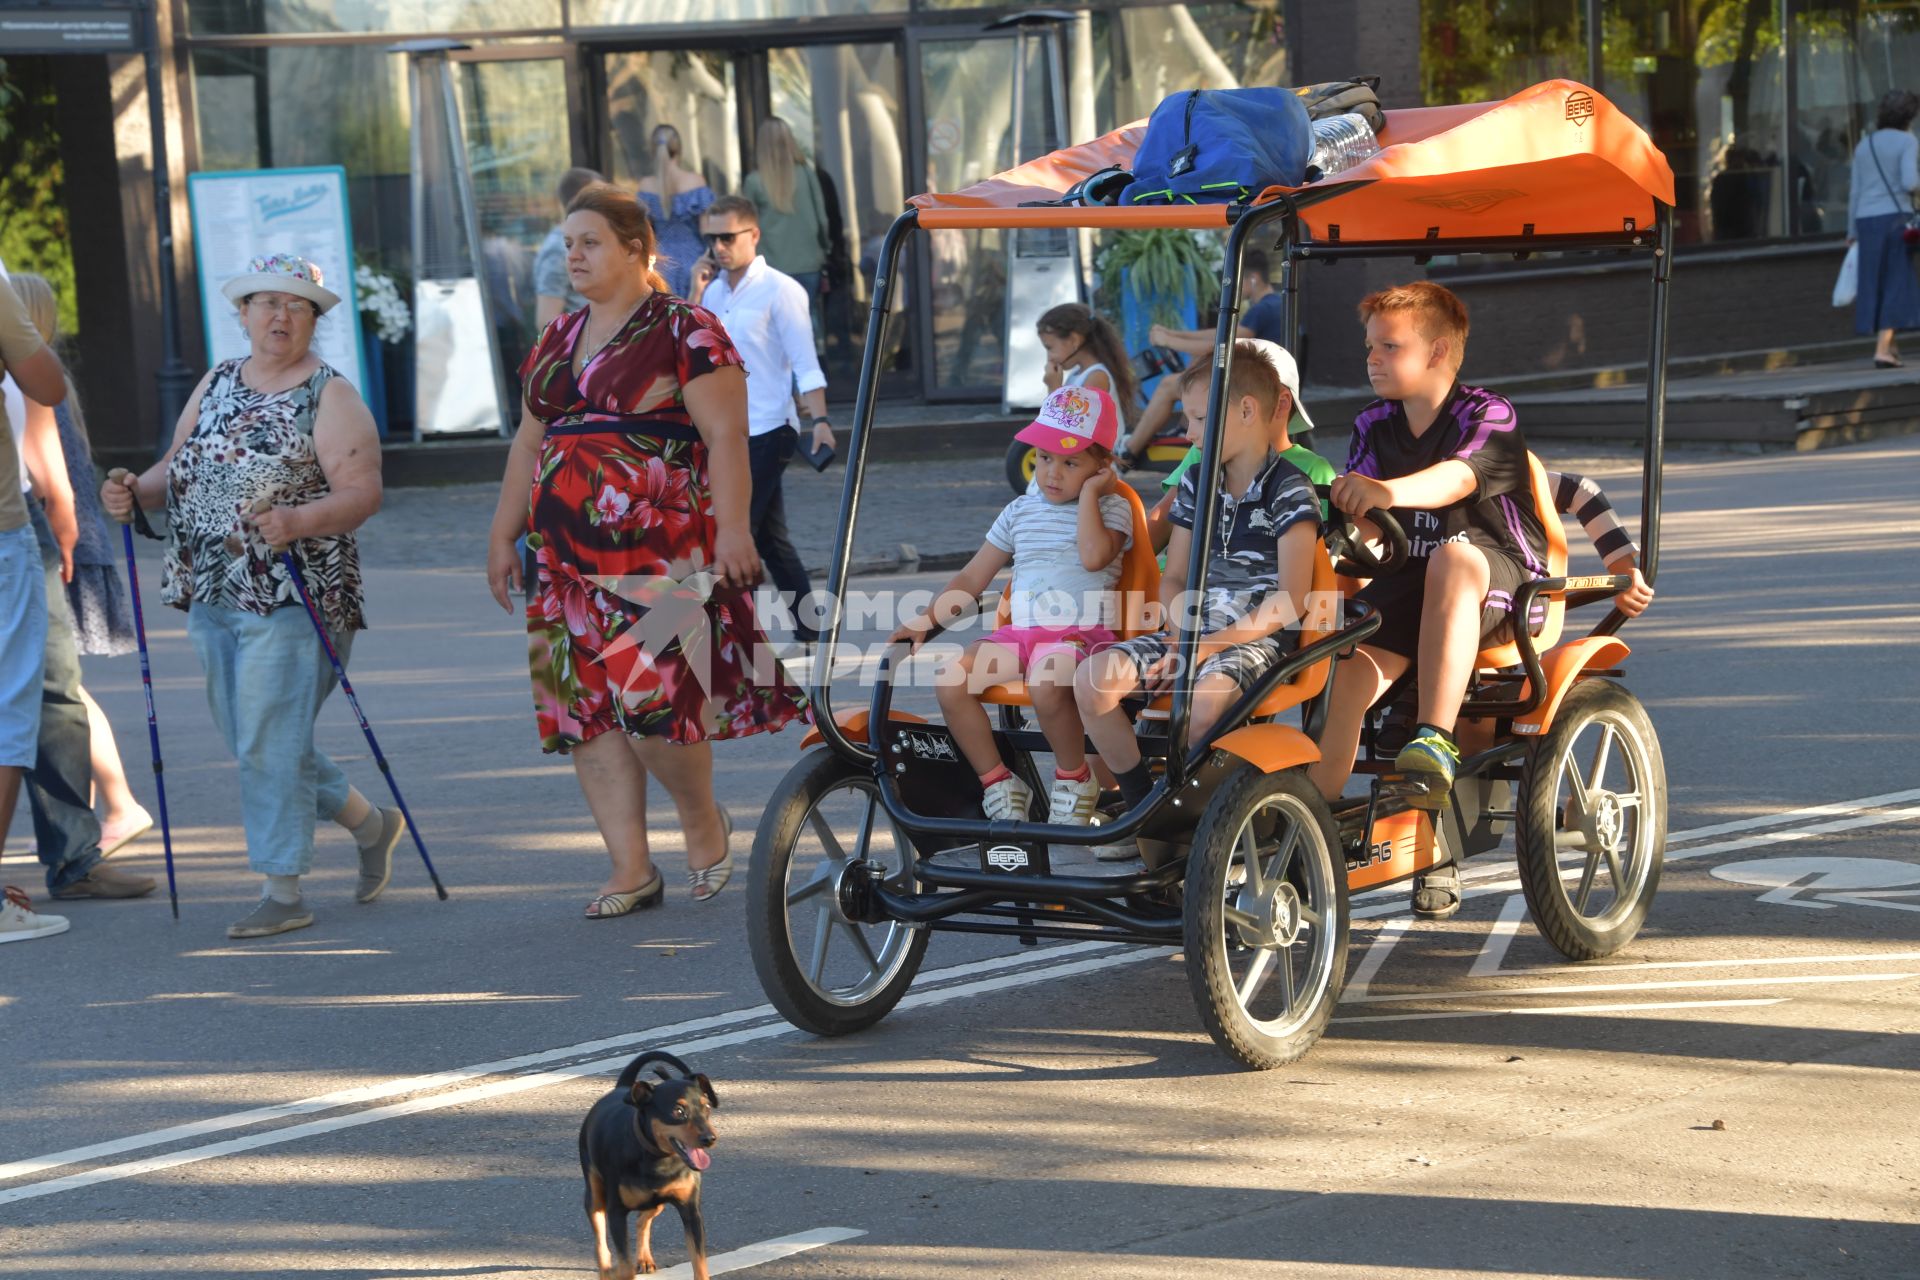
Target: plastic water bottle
<point>1339,143</point>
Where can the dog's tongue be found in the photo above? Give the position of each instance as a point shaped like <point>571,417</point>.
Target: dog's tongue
<point>698,1158</point>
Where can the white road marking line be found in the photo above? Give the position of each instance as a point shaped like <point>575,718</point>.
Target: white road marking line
<point>1559,1010</point>
<point>1492,993</point>
<point>543,1079</point>
<point>1600,966</point>
<point>755,1255</point>
<point>1499,938</point>
<point>1390,932</point>
<point>1869,900</point>
<point>1793,816</point>
<point>441,1079</point>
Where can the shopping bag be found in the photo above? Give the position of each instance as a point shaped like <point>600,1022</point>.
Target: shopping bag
<point>1847,285</point>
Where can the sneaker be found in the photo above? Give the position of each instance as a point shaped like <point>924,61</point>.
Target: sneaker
<point>1427,764</point>
<point>19,922</point>
<point>271,917</point>
<point>376,861</point>
<point>105,882</point>
<point>1072,801</point>
<point>1007,800</point>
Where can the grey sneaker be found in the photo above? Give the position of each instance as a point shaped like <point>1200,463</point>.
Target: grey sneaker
<point>271,917</point>
<point>106,882</point>
<point>376,861</point>
<point>19,922</point>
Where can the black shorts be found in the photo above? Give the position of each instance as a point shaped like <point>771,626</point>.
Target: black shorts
<point>1400,598</point>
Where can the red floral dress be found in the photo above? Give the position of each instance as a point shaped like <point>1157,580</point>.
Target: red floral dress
<point>628,628</point>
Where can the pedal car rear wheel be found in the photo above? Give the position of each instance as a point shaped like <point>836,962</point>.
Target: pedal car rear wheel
<point>1020,460</point>
<point>1266,917</point>
<point>1592,822</point>
<point>824,972</point>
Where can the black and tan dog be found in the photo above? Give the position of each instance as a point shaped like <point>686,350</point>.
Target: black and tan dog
<point>643,1147</point>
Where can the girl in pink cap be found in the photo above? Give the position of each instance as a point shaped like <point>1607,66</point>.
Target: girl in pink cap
<point>1064,537</point>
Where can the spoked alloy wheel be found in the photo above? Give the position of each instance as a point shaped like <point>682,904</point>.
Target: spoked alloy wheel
<point>1592,826</point>
<point>824,972</point>
<point>1266,917</point>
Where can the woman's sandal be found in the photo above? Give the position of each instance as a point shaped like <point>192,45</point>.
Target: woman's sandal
<point>608,906</point>
<point>1436,895</point>
<point>707,882</point>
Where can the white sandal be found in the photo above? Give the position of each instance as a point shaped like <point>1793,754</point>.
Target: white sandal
<point>707,882</point>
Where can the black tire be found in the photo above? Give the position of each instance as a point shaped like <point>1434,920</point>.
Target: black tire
<point>1602,722</point>
<point>1300,908</point>
<point>794,865</point>
<point>1019,465</point>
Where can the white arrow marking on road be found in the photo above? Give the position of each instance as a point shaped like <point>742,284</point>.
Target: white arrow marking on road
<point>541,1080</point>
<point>755,1255</point>
<point>1559,1010</point>
<point>1500,937</point>
<point>1390,932</point>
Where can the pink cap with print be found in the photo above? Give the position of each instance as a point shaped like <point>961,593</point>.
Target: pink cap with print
<point>1072,418</point>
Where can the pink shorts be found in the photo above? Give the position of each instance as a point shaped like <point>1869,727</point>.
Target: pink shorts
<point>1030,643</point>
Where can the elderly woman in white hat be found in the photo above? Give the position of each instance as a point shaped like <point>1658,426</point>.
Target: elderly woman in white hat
<point>278,424</point>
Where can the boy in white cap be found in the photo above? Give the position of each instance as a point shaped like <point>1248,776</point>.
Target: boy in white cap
<point>1064,538</point>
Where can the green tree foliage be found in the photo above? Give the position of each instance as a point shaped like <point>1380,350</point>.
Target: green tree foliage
<point>33,211</point>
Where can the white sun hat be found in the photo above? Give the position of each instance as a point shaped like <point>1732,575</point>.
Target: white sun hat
<point>1289,370</point>
<point>282,273</point>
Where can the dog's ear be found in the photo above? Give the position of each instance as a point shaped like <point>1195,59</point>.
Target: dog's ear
<point>706,1087</point>
<point>639,1095</point>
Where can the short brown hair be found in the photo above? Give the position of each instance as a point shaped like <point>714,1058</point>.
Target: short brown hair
<point>734,207</point>
<point>1253,375</point>
<point>573,182</point>
<point>628,218</point>
<point>1437,312</point>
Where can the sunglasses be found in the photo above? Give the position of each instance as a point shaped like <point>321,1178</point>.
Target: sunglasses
<point>721,237</point>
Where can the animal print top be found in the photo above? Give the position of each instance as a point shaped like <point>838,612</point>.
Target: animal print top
<point>247,445</point>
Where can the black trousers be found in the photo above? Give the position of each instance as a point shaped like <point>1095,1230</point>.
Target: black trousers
<point>767,458</point>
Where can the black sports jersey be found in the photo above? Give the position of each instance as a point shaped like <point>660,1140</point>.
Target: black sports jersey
<point>1478,428</point>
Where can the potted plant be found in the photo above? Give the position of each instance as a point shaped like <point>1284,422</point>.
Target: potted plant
<point>385,322</point>
<point>1163,275</point>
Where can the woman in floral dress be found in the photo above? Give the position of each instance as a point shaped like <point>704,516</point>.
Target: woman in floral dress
<point>629,478</point>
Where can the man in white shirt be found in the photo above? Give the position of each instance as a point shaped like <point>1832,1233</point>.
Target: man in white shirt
<point>769,318</point>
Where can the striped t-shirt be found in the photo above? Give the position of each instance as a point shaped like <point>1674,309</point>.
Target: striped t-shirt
<point>1478,428</point>
<point>1051,588</point>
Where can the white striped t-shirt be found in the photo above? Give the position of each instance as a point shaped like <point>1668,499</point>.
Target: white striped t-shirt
<point>1051,588</point>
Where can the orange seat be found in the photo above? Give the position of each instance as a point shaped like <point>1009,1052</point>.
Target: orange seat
<point>1139,587</point>
<point>1508,654</point>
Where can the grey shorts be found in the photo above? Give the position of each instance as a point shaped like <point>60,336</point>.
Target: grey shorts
<point>1243,663</point>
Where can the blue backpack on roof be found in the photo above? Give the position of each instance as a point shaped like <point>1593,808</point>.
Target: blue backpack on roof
<point>1221,146</point>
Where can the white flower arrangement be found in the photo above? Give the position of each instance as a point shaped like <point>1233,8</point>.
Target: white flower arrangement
<point>380,299</point>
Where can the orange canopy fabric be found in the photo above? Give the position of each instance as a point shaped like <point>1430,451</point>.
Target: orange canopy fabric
<point>1557,157</point>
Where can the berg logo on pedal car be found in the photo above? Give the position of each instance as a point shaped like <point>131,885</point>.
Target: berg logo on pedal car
<point>929,746</point>
<point>1007,857</point>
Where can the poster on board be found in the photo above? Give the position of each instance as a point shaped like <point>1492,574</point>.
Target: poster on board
<point>241,215</point>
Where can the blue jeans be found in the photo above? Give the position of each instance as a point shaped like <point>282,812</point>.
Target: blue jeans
<point>266,678</point>
<point>23,648</point>
<point>60,784</point>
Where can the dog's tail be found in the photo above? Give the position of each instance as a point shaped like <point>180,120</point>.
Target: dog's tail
<point>633,1069</point>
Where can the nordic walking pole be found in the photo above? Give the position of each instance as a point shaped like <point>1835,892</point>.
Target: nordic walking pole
<point>346,687</point>
<point>122,476</point>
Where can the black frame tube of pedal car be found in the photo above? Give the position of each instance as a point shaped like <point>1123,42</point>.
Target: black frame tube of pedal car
<point>1292,248</point>
<point>1125,825</point>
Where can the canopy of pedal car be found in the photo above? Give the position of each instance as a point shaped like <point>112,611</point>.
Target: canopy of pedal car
<point>1556,159</point>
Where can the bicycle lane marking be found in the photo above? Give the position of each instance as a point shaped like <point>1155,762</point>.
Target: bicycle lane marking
<point>544,1079</point>
<point>442,1079</point>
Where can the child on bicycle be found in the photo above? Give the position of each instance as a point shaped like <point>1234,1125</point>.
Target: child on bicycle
<point>1267,525</point>
<point>1451,465</point>
<point>1064,538</point>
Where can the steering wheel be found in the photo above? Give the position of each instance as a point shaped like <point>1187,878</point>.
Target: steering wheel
<point>1351,555</point>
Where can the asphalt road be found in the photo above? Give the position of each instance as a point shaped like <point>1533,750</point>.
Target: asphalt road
<point>395,1091</point>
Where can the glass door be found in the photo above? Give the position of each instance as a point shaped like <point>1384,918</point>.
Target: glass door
<point>844,105</point>
<point>970,89</point>
<point>514,122</point>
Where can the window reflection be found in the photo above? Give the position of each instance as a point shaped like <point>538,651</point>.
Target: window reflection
<point>249,17</point>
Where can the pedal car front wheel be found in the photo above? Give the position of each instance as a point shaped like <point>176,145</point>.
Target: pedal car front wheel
<point>824,972</point>
<point>1592,822</point>
<point>1266,917</point>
